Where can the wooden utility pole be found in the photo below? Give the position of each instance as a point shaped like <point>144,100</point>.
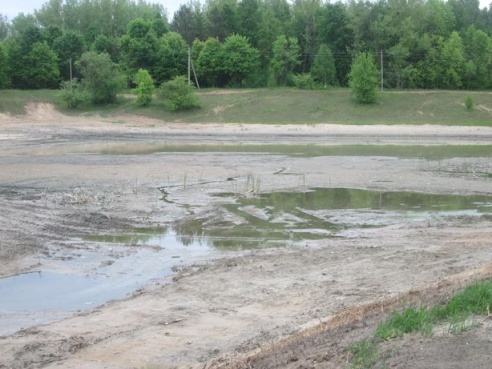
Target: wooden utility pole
<point>71,83</point>
<point>382,72</point>
<point>189,65</point>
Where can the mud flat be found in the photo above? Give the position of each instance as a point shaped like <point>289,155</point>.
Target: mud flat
<point>174,240</point>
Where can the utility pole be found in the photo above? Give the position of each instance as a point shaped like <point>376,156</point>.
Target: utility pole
<point>382,72</point>
<point>189,65</point>
<point>71,84</point>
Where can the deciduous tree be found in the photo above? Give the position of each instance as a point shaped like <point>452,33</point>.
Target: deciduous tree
<point>286,58</point>
<point>323,69</point>
<point>172,57</point>
<point>100,77</point>
<point>239,59</point>
<point>363,78</point>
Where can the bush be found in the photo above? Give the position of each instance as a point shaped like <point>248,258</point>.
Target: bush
<point>101,77</point>
<point>73,94</point>
<point>469,104</point>
<point>145,87</point>
<point>364,78</point>
<point>179,95</point>
<point>303,81</point>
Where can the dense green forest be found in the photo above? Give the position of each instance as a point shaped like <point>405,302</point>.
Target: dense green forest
<point>417,43</point>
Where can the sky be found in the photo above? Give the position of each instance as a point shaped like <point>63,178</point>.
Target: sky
<point>13,7</point>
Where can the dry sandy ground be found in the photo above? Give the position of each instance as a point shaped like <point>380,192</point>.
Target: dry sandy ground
<point>295,307</point>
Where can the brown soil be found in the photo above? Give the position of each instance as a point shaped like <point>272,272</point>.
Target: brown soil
<point>296,307</point>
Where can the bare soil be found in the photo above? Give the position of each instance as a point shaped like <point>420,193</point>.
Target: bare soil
<point>296,307</point>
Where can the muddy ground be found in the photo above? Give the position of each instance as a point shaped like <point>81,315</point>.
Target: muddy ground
<point>295,307</point>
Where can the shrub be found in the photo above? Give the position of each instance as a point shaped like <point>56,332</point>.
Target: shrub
<point>364,78</point>
<point>469,104</point>
<point>145,87</point>
<point>73,94</point>
<point>303,81</point>
<point>101,77</point>
<point>179,95</point>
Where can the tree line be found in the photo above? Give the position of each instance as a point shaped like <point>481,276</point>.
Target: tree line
<point>255,43</point>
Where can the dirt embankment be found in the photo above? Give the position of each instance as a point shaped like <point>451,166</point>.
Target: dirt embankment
<point>288,307</point>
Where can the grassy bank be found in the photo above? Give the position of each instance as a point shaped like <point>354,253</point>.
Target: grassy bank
<point>457,315</point>
<point>293,106</point>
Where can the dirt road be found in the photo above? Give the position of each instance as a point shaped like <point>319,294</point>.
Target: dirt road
<point>63,177</point>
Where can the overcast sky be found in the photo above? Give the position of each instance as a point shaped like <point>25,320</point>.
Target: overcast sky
<point>13,7</point>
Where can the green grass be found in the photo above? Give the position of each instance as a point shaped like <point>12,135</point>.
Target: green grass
<point>292,106</point>
<point>474,300</point>
<point>14,101</point>
<point>365,354</point>
<point>458,312</point>
<point>410,320</point>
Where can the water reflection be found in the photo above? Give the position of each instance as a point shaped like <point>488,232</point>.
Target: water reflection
<point>285,218</point>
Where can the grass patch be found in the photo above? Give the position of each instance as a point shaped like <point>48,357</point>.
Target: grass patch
<point>458,312</point>
<point>365,354</point>
<point>289,106</point>
<point>476,299</point>
<point>14,101</point>
<point>410,320</point>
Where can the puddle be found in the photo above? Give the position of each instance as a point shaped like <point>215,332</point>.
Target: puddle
<point>56,292</point>
<point>120,264</point>
<point>286,218</point>
<point>114,272</point>
<point>311,150</point>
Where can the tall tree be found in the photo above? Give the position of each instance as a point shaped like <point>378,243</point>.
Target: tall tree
<point>4,77</point>
<point>334,30</point>
<point>51,33</point>
<point>4,27</point>
<point>478,51</point>
<point>209,65</point>
<point>50,14</point>
<point>22,52</point>
<point>239,59</point>
<point>172,57</point>
<point>452,64</point>
<point>286,58</point>
<point>438,18</point>
<point>305,15</point>
<point>466,13</point>
<point>139,47</point>
<point>248,20</point>
<point>69,47</point>
<point>22,23</point>
<point>108,45</point>
<point>363,18</point>
<point>220,18</point>
<point>274,21</point>
<point>188,22</point>
<point>427,74</point>
<point>323,68</point>
<point>43,69</point>
<point>398,74</point>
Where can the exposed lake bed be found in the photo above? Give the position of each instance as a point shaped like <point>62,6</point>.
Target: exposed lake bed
<point>208,255</point>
